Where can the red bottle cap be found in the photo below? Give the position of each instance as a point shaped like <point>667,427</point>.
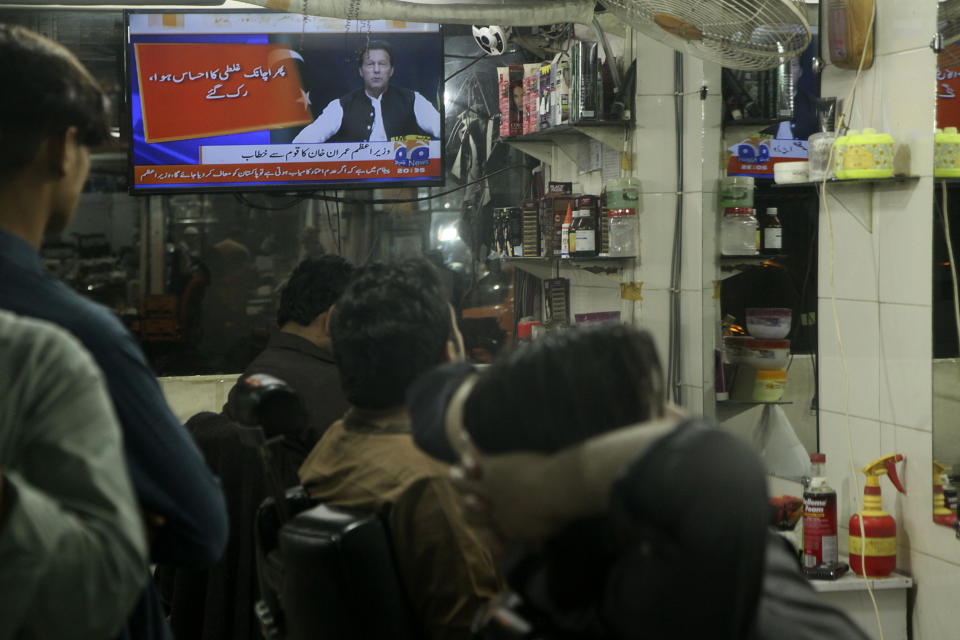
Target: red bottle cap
<point>818,457</point>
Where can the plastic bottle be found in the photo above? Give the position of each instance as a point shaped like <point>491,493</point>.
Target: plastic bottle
<point>772,232</point>
<point>819,518</point>
<point>565,233</point>
<point>879,542</point>
<point>738,232</point>
<point>622,206</point>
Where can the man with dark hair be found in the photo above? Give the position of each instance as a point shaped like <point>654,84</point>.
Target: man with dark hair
<point>51,113</point>
<point>300,353</point>
<point>379,112</point>
<point>391,325</point>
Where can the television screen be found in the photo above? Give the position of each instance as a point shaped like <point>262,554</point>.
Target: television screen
<point>261,100</point>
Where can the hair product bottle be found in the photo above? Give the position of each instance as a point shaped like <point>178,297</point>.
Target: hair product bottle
<point>873,549</point>
<point>819,517</point>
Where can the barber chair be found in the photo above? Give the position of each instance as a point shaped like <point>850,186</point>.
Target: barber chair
<point>327,573</point>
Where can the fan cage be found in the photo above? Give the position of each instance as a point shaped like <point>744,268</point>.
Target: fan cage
<point>738,34</point>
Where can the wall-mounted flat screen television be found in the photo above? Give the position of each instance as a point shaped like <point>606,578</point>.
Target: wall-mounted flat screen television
<point>225,101</point>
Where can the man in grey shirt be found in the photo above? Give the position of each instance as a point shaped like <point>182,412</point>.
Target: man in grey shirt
<point>73,556</point>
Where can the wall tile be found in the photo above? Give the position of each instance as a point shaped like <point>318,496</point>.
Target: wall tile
<point>691,270</point>
<point>691,337</point>
<point>937,584</point>
<point>657,222</point>
<point>864,436</point>
<point>654,316</point>
<point>692,399</point>
<point>855,268</point>
<point>913,511</point>
<point>655,66</point>
<point>904,25</point>
<point>189,395</point>
<point>905,376</point>
<point>592,299</point>
<point>859,332</point>
<point>907,102</point>
<point>655,144</point>
<point>903,222</point>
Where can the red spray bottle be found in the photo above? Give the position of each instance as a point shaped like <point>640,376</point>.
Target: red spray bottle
<point>875,550</point>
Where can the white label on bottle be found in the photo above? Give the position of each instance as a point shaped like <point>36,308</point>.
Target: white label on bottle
<point>773,238</point>
<point>586,240</point>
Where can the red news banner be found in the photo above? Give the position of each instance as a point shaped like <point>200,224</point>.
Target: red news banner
<point>200,90</point>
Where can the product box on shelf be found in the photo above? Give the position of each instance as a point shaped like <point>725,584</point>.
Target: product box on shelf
<point>543,104</point>
<point>585,71</point>
<point>560,89</point>
<point>531,96</point>
<point>510,85</point>
<point>553,209</point>
<point>756,155</point>
<point>531,229</point>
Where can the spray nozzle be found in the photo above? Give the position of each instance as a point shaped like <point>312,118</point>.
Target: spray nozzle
<point>886,465</point>
<point>939,469</point>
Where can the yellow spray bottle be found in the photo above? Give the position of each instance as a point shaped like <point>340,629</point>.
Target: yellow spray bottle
<point>879,535</point>
<point>942,514</point>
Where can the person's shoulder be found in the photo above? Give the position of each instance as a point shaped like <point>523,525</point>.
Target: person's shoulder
<point>32,347</point>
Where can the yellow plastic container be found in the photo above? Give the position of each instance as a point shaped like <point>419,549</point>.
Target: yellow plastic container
<point>946,154</point>
<point>859,156</point>
<point>768,385</point>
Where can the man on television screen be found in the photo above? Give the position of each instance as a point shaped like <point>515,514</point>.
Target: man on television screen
<point>379,112</point>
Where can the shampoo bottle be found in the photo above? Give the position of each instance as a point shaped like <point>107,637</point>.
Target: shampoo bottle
<point>819,517</point>
<point>873,549</point>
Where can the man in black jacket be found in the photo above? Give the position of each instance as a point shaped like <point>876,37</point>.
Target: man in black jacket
<point>378,112</point>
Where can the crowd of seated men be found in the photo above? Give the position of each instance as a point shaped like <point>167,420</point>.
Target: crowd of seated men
<point>539,498</point>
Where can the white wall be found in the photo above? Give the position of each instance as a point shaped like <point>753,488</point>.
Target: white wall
<point>189,395</point>
<point>880,241</point>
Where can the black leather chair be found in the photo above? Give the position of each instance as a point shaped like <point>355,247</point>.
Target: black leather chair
<point>328,573</point>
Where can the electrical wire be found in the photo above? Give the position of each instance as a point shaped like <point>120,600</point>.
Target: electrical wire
<point>858,497</point>
<point>464,68</point>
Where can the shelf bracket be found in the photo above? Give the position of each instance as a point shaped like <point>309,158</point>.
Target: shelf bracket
<point>609,136</point>
<point>542,151</point>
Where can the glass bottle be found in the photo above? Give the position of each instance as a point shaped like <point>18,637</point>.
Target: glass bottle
<point>820,145</point>
<point>583,229</point>
<point>772,232</point>
<point>738,232</point>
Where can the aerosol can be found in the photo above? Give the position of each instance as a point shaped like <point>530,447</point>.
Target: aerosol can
<point>876,551</point>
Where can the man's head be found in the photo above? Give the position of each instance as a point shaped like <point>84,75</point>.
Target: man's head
<point>389,326</point>
<point>310,292</point>
<point>51,112</point>
<point>376,67</point>
<point>565,388</point>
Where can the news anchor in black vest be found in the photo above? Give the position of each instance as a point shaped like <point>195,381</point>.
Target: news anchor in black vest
<point>377,113</point>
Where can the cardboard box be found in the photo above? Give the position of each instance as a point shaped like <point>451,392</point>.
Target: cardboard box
<point>531,95</point>
<point>560,89</point>
<point>543,102</point>
<point>510,83</point>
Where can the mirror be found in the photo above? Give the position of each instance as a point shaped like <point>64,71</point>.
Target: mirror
<point>946,244</point>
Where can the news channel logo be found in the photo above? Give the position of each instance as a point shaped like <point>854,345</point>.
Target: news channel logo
<point>411,153</point>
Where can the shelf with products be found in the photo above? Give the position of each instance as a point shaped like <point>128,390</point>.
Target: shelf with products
<point>607,265</point>
<point>569,137</point>
<point>833,181</point>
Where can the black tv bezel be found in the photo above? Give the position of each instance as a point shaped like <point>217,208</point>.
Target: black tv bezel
<point>306,187</point>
